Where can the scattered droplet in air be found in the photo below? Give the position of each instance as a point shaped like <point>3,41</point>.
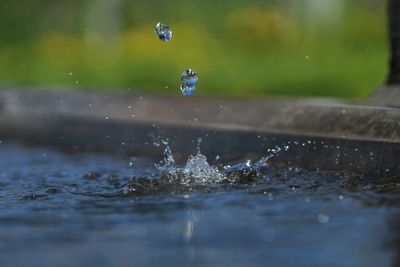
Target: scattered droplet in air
<point>189,79</point>
<point>187,90</point>
<point>164,32</point>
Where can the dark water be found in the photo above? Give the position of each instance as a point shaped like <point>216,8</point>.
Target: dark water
<point>72,210</point>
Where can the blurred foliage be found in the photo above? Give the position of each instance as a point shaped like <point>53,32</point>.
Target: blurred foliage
<point>238,47</point>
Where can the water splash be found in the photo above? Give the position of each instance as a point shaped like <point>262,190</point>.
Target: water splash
<point>196,171</point>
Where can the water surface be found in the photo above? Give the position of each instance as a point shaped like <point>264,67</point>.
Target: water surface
<point>75,210</point>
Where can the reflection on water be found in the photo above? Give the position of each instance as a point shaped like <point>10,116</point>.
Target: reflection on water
<point>100,210</point>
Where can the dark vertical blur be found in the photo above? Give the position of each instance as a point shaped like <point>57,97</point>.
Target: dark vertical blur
<point>394,29</point>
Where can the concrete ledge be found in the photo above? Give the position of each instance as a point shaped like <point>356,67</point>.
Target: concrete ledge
<point>324,134</point>
<point>308,117</point>
<point>387,95</point>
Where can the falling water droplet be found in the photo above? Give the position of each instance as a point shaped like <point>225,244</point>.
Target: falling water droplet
<point>187,90</point>
<point>164,32</point>
<point>189,77</point>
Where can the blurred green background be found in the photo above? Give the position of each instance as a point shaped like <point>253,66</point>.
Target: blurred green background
<point>238,47</point>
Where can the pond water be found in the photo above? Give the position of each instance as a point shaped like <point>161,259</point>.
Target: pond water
<point>107,210</point>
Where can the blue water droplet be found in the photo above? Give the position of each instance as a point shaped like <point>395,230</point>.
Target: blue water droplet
<point>189,77</point>
<point>164,32</point>
<point>188,90</point>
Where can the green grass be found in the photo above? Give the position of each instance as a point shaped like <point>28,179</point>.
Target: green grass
<point>240,48</point>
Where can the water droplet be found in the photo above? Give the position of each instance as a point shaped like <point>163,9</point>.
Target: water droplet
<point>165,142</point>
<point>129,190</point>
<point>107,117</point>
<point>323,218</point>
<point>164,32</point>
<point>187,90</point>
<point>156,144</point>
<point>70,74</point>
<point>248,163</point>
<point>189,77</point>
